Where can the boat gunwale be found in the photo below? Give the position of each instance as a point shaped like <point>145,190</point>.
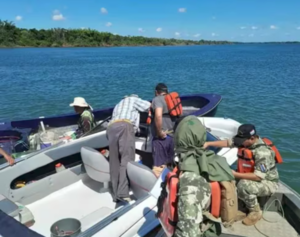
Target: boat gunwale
<point>213,101</point>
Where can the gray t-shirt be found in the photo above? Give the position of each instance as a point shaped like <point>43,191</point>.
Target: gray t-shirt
<point>167,124</point>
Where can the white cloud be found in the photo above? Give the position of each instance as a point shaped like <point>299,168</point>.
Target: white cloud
<point>254,27</point>
<point>243,27</point>
<point>298,28</point>
<point>213,34</point>
<point>197,35</point>
<point>57,16</point>
<point>182,10</point>
<point>272,27</point>
<point>108,24</point>
<point>159,29</point>
<point>19,18</point>
<point>83,28</point>
<point>251,35</point>
<point>103,10</point>
<point>177,34</point>
<point>141,30</point>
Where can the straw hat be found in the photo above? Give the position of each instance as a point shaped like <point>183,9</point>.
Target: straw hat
<point>80,102</point>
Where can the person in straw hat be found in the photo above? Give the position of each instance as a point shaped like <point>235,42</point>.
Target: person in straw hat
<point>87,120</point>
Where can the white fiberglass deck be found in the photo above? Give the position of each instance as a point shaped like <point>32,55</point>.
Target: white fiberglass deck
<point>81,200</point>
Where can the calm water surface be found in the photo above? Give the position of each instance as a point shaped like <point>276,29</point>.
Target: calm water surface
<point>260,84</point>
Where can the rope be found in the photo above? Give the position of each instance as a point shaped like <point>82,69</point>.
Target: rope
<point>266,208</point>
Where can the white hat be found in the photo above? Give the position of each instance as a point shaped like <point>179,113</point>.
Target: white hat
<point>80,102</point>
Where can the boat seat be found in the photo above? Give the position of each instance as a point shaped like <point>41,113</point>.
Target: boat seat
<point>142,179</point>
<point>96,165</point>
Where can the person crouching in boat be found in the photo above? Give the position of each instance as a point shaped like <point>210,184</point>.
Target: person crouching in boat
<point>121,141</point>
<point>257,172</point>
<point>87,121</point>
<point>198,167</point>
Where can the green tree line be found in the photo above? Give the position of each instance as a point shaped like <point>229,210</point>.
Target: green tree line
<point>12,36</point>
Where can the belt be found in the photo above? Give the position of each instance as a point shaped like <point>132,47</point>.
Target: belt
<point>120,120</point>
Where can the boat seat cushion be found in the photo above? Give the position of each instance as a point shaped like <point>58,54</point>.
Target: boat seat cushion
<point>142,179</point>
<point>96,165</point>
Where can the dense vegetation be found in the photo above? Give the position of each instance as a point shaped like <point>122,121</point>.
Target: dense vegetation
<point>12,36</point>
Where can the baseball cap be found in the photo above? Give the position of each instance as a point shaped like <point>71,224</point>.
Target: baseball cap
<point>245,132</point>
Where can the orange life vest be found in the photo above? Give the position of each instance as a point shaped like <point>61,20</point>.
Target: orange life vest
<point>174,105</point>
<point>246,159</point>
<point>167,202</point>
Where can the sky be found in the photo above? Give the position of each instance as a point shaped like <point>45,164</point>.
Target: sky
<point>234,20</point>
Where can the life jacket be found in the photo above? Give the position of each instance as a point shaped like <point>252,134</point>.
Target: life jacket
<point>246,158</point>
<point>174,105</point>
<point>168,201</point>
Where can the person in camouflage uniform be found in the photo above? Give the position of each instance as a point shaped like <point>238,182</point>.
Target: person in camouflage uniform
<point>264,180</point>
<point>194,196</point>
<point>86,121</point>
<point>198,167</point>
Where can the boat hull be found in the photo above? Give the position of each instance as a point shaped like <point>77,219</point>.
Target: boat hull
<point>203,105</point>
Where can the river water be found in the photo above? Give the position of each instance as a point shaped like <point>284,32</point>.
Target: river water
<point>259,83</point>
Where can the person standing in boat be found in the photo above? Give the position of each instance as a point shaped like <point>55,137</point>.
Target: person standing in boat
<point>162,124</point>
<point>7,157</point>
<point>87,121</point>
<point>121,140</point>
<point>263,181</point>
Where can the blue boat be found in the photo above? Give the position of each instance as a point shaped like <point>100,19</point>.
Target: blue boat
<point>19,131</point>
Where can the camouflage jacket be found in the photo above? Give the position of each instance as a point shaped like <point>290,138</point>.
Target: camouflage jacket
<point>264,157</point>
<point>86,123</point>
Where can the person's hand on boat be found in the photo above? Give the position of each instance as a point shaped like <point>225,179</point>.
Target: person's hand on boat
<point>9,159</point>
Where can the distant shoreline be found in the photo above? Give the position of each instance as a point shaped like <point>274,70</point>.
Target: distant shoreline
<point>173,45</point>
<point>14,37</point>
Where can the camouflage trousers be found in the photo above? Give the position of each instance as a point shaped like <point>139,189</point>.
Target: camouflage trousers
<point>248,191</point>
<point>194,196</point>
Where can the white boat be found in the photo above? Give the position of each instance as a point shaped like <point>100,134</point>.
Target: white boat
<point>81,191</point>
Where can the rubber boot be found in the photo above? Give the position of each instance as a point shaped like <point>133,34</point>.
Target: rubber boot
<point>253,217</point>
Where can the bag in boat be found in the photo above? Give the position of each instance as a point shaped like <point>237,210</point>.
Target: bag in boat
<point>229,201</point>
